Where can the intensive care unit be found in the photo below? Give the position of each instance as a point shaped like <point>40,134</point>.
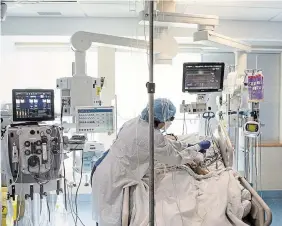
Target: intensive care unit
<point>36,141</point>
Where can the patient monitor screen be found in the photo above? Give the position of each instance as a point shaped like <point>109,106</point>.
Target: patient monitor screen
<point>33,105</point>
<point>202,77</point>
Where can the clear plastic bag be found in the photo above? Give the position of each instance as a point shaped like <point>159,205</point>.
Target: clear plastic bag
<point>27,218</point>
<point>61,215</point>
<point>45,213</point>
<point>10,213</point>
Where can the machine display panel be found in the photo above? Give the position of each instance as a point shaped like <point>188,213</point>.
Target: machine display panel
<point>202,77</point>
<point>33,105</point>
<point>252,128</point>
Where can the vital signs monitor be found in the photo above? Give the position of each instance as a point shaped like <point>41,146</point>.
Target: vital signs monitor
<point>202,77</point>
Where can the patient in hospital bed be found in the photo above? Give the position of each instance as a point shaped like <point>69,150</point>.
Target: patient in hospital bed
<point>200,170</point>
<point>207,195</point>
<point>213,162</point>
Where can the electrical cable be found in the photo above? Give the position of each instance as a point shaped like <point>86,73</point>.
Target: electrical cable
<point>74,211</point>
<point>76,194</point>
<point>48,208</point>
<point>64,169</point>
<point>70,204</point>
<point>65,186</point>
<point>21,191</point>
<point>65,183</point>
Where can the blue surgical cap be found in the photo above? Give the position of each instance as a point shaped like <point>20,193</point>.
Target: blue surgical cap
<point>163,110</point>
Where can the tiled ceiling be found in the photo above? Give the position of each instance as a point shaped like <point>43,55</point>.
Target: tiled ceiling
<point>75,9</point>
<point>225,9</point>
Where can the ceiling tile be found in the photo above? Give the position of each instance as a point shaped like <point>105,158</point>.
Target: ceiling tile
<point>111,10</point>
<point>66,9</point>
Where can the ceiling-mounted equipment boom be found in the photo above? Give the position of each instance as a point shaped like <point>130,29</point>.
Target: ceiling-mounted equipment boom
<point>211,38</point>
<point>172,19</point>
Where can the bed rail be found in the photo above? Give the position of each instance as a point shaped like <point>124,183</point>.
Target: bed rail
<point>261,214</point>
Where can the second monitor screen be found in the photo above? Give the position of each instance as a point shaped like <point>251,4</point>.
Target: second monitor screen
<point>203,77</point>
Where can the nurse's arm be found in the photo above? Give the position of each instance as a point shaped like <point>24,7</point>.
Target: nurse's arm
<point>172,153</point>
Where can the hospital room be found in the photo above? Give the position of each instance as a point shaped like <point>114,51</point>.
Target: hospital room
<point>141,113</point>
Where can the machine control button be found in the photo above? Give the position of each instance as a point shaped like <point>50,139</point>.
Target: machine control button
<point>27,152</point>
<point>38,143</point>
<point>48,131</point>
<point>32,132</point>
<point>39,151</point>
<point>33,161</point>
<point>27,143</point>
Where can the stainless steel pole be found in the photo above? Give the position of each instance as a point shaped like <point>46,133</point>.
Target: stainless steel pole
<point>151,91</point>
<point>237,140</point>
<point>228,113</point>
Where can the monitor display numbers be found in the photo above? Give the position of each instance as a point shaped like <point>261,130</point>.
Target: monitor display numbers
<point>37,105</point>
<point>203,77</point>
<point>95,119</point>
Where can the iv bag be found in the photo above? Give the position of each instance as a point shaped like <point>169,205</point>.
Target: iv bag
<point>61,216</point>
<point>10,213</point>
<point>27,218</point>
<point>231,82</point>
<point>44,215</point>
<point>255,87</point>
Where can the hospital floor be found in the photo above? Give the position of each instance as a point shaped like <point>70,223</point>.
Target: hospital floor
<point>274,202</point>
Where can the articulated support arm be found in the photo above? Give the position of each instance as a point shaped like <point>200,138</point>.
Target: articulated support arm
<point>81,42</point>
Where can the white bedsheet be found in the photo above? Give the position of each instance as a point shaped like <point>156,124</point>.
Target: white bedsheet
<point>183,200</point>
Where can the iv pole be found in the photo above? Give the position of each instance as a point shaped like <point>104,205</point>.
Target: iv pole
<point>151,90</point>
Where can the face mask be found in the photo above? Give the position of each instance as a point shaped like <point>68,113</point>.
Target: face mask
<point>167,125</point>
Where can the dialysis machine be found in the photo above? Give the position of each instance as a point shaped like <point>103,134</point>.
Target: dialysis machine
<point>33,148</point>
<point>31,154</point>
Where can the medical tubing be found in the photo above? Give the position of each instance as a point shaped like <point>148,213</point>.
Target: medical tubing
<point>191,172</point>
<point>151,117</point>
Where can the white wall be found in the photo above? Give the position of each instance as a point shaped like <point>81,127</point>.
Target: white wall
<point>245,30</point>
<point>271,169</point>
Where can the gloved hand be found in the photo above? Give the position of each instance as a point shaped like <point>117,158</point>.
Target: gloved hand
<point>203,151</point>
<point>205,144</point>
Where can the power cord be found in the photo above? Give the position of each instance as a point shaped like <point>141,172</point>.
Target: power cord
<point>76,193</point>
<point>80,181</point>
<point>64,169</point>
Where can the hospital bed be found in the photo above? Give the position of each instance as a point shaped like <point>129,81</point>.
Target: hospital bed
<point>260,214</point>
